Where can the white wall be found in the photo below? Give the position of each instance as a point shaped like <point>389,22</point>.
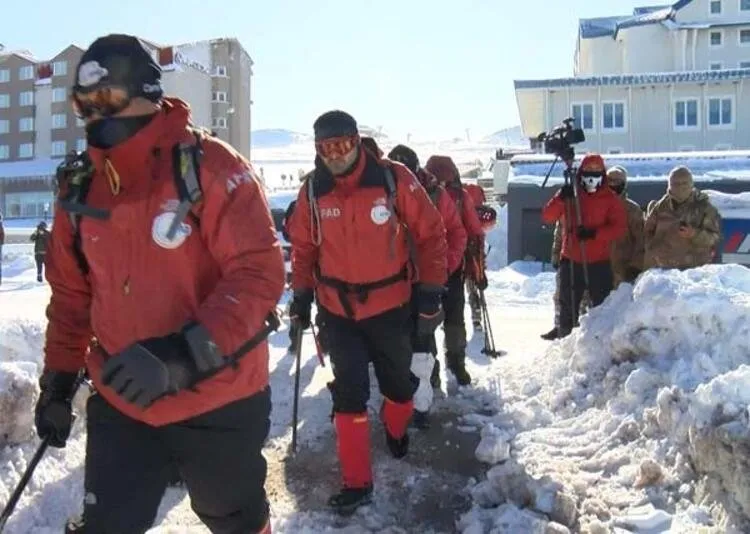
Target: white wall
<point>43,120</point>
<point>649,48</point>
<point>601,55</point>
<point>192,86</point>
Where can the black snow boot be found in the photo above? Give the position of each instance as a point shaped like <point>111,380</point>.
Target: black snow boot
<point>346,501</point>
<point>551,335</point>
<point>457,366</point>
<point>398,447</point>
<point>421,420</point>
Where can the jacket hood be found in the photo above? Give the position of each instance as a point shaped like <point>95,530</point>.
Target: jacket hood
<point>443,168</point>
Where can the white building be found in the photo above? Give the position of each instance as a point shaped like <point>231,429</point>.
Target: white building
<point>666,78</point>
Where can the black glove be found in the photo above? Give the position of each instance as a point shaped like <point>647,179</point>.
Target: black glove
<point>159,366</point>
<point>566,191</point>
<point>584,234</point>
<point>430,311</point>
<point>300,309</point>
<point>53,414</point>
<point>631,274</point>
<point>482,282</point>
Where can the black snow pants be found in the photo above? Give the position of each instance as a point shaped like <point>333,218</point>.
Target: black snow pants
<point>455,327</point>
<point>218,454</point>
<point>382,339</point>
<point>600,286</point>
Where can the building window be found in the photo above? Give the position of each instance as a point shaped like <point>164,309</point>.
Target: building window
<point>220,122</point>
<point>744,5</point>
<point>613,116</point>
<point>58,148</point>
<point>220,70</point>
<point>36,204</point>
<point>59,94</point>
<point>4,152</point>
<point>4,126</point>
<point>26,98</point>
<point>219,96</point>
<point>745,64</point>
<point>686,113</point>
<point>714,7</point>
<point>26,150</point>
<point>715,38</point>
<point>4,101</point>
<point>4,75</point>
<point>80,145</point>
<point>59,68</point>
<point>715,65</point>
<point>583,113</point>
<point>26,72</point>
<point>744,37</point>
<point>26,124</point>
<point>59,120</point>
<point>720,112</point>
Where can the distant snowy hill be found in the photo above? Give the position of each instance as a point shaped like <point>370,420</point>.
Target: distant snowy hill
<point>507,137</point>
<point>277,137</point>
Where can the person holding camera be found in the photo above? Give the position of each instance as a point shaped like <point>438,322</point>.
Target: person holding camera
<point>591,217</point>
<point>682,228</point>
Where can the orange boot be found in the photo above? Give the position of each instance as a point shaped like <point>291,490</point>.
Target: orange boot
<point>353,444</point>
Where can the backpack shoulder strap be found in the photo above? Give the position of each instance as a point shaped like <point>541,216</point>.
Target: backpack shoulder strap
<point>186,161</point>
<point>312,201</point>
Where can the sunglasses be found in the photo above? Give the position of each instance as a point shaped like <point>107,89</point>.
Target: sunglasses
<point>104,101</point>
<point>336,147</point>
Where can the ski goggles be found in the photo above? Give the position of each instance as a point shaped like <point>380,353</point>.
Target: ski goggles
<point>104,101</point>
<point>336,147</point>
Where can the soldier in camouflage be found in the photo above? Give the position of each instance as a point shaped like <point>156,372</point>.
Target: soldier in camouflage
<point>682,228</point>
<point>627,253</point>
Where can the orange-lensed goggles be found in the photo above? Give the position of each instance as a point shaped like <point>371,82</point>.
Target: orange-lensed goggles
<point>103,101</point>
<point>336,147</point>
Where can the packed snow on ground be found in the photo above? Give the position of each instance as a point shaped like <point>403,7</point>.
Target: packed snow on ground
<point>637,421</point>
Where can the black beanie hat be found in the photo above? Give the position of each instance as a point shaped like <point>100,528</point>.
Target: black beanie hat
<point>119,60</point>
<point>334,123</point>
<point>405,155</point>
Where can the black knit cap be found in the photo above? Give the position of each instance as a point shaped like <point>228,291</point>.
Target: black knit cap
<point>405,155</point>
<point>122,61</point>
<point>335,123</point>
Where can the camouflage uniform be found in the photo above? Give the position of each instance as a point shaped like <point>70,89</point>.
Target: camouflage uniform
<point>682,229</point>
<point>626,254</point>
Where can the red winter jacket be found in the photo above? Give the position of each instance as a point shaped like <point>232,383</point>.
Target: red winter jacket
<point>446,172</point>
<point>454,229</point>
<point>476,193</point>
<point>227,272</point>
<point>355,240</point>
<point>602,211</point>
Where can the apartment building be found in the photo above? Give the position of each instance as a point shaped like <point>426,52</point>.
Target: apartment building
<point>664,78</point>
<point>38,127</point>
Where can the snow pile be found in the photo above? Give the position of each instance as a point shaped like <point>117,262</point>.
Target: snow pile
<point>522,282</point>
<point>497,240</point>
<point>18,392</point>
<point>646,403</point>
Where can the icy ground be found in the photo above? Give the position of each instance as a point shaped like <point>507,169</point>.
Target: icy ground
<point>637,422</point>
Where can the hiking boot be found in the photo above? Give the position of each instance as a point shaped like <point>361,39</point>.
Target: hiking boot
<point>346,501</point>
<point>398,447</point>
<point>462,375</point>
<point>551,335</point>
<point>421,420</point>
<point>39,278</point>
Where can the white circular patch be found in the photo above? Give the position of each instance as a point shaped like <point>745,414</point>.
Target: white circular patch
<point>380,215</point>
<point>161,226</point>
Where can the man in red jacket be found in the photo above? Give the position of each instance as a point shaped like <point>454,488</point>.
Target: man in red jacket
<point>476,276</point>
<point>173,313</point>
<point>454,301</point>
<point>350,239</point>
<point>424,364</point>
<point>586,243</point>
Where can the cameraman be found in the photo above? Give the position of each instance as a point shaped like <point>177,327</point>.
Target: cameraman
<point>585,242</point>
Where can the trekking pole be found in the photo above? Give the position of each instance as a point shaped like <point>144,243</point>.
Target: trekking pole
<point>298,357</point>
<point>567,173</point>
<point>489,338</point>
<point>579,222</point>
<point>318,348</point>
<point>38,455</point>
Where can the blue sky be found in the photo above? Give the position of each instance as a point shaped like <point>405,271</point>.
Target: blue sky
<point>429,67</point>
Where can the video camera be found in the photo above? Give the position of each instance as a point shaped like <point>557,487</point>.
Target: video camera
<point>560,141</point>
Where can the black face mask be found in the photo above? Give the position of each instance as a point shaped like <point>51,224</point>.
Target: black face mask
<point>111,131</point>
<point>619,188</point>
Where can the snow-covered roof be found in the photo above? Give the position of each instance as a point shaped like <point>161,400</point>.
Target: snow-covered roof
<point>31,167</point>
<point>647,78</point>
<point>609,26</point>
